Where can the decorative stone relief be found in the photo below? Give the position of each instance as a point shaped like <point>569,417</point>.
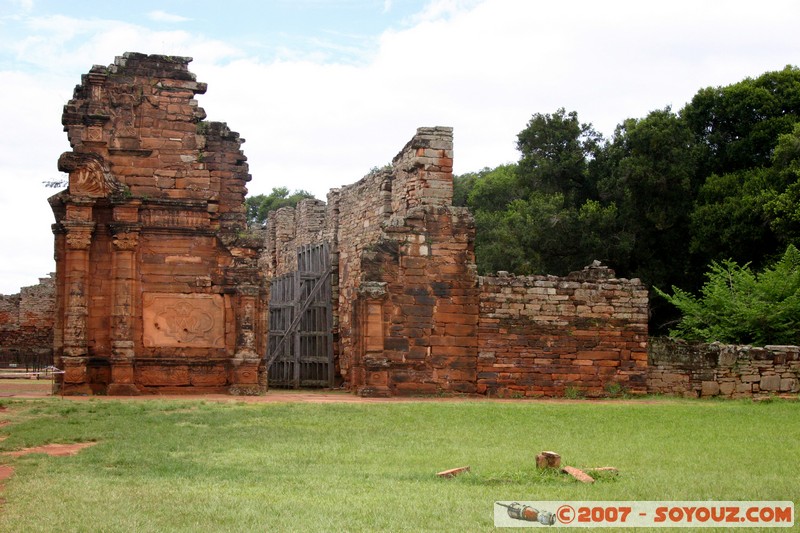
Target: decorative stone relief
<point>184,320</point>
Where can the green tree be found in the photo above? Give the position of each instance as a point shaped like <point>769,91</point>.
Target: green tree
<point>750,215</point>
<point>556,150</point>
<point>648,171</point>
<point>259,206</point>
<point>523,237</point>
<point>739,125</point>
<point>496,189</point>
<point>463,184</point>
<point>782,207</point>
<point>737,305</point>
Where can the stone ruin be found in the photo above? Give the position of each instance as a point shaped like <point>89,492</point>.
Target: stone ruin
<point>161,287</point>
<point>26,326</point>
<point>411,316</point>
<point>157,280</point>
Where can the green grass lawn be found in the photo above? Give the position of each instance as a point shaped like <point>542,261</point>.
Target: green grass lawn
<point>203,466</point>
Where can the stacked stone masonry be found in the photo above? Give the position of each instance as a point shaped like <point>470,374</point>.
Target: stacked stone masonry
<point>413,317</point>
<point>585,334</point>
<point>26,325</point>
<point>721,370</point>
<point>159,288</point>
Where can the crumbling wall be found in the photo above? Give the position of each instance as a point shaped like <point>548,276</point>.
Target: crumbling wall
<point>706,370</point>
<point>413,316</point>
<point>585,334</point>
<point>406,307</point>
<point>158,282</point>
<point>289,228</point>
<point>26,325</point>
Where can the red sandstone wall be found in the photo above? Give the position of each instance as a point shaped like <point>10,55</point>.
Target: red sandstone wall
<point>363,208</point>
<point>159,286</point>
<point>543,335</point>
<point>26,325</point>
<point>412,316</point>
<point>416,322</point>
<point>408,297</point>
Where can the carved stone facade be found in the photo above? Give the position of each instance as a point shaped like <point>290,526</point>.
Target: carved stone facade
<point>158,287</point>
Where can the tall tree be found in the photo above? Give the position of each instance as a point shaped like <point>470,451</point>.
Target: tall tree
<point>751,215</point>
<point>648,171</point>
<point>738,125</point>
<point>556,150</point>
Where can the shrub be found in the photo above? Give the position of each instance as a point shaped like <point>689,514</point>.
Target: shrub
<point>739,306</point>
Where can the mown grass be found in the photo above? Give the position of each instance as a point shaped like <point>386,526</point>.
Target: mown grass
<point>202,466</point>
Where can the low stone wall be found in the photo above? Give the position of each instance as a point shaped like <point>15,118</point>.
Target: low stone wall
<point>546,336</point>
<point>705,370</point>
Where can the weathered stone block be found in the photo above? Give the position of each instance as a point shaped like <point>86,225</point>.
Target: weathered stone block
<point>158,376</point>
<point>548,460</point>
<point>709,388</point>
<point>139,195</point>
<point>770,383</point>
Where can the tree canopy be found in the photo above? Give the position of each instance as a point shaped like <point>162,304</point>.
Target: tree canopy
<point>664,197</point>
<point>259,206</point>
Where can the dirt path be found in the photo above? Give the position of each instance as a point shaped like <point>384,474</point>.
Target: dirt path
<point>55,450</point>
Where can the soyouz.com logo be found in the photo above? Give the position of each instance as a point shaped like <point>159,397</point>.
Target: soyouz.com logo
<point>693,514</point>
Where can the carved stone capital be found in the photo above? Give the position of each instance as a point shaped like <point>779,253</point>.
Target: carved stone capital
<point>89,174</point>
<point>79,235</point>
<point>374,290</point>
<point>125,236</point>
<point>126,241</point>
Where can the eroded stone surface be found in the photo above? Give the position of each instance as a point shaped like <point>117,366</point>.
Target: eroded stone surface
<point>707,370</point>
<point>155,264</point>
<point>412,317</point>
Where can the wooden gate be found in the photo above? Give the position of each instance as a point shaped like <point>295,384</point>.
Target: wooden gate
<point>300,347</point>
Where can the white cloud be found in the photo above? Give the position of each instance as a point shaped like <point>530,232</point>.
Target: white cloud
<point>163,16</point>
<point>67,45</point>
<point>484,71</point>
<point>482,67</point>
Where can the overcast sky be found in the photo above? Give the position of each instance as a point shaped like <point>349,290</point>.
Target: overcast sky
<point>324,90</point>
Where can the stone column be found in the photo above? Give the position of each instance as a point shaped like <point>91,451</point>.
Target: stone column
<point>59,254</point>
<point>370,373</point>
<point>246,359</point>
<point>123,268</point>
<point>76,309</point>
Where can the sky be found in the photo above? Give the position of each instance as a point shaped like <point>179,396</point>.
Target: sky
<point>325,90</point>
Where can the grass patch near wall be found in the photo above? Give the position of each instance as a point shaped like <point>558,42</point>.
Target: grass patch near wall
<point>235,466</point>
